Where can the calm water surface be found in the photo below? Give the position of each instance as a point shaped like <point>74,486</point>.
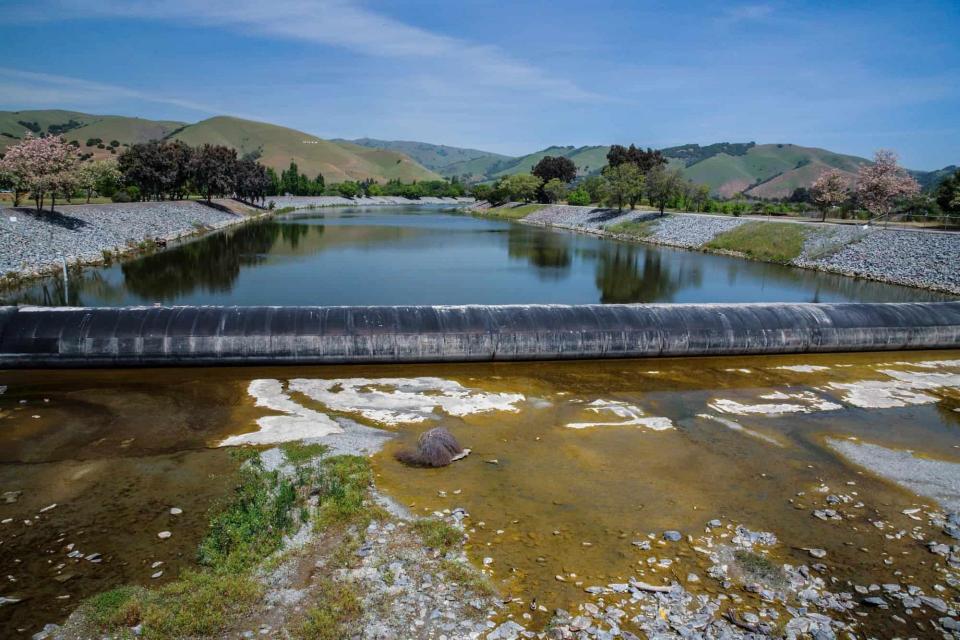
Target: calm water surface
<point>418,255</point>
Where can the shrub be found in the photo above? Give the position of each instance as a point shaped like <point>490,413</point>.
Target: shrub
<point>120,196</point>
<point>578,197</point>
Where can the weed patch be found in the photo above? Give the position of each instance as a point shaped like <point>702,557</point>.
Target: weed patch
<point>330,619</point>
<point>437,534</point>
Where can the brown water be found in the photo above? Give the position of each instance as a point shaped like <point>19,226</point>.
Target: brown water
<point>116,449</point>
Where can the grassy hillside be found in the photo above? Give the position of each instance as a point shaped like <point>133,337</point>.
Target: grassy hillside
<point>588,159</point>
<point>81,127</point>
<point>436,157</point>
<point>276,146</point>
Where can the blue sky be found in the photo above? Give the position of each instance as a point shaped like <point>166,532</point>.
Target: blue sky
<point>508,77</point>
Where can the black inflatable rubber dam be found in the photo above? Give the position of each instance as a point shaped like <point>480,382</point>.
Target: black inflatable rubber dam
<point>206,335</point>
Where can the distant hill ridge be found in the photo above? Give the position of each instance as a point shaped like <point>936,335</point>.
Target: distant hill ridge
<point>273,145</point>
<point>759,170</point>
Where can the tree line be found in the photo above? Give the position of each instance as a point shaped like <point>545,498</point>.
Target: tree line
<point>47,167</point>
<point>630,176</point>
<point>634,176</point>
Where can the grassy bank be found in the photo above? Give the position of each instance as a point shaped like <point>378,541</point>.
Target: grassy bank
<point>327,504</point>
<point>511,211</point>
<point>246,531</point>
<point>767,241</point>
<point>633,229</point>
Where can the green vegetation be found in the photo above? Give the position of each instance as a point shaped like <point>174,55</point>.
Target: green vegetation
<point>468,577</point>
<point>437,534</point>
<point>247,530</point>
<point>513,212</point>
<point>344,486</point>
<point>638,229</point>
<point>298,452</point>
<point>331,619</point>
<point>768,241</point>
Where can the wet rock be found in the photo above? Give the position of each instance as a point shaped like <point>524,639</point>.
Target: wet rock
<point>672,536</point>
<point>874,601</point>
<point>713,524</point>
<point>950,624</point>
<point>937,604</point>
<point>175,511</point>
<point>5,600</point>
<point>47,633</point>
<point>817,553</point>
<point>163,535</point>
<point>9,497</point>
<point>509,630</point>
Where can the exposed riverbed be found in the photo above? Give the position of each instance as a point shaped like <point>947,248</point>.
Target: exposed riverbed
<point>755,485</point>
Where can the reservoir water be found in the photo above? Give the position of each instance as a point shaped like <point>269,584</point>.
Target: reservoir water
<point>428,255</point>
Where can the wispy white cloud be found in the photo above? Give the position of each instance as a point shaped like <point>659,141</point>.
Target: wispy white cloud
<point>747,13</point>
<point>338,23</point>
<point>19,88</point>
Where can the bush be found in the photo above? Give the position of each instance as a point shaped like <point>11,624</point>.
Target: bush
<point>120,196</point>
<point>578,197</point>
<point>134,193</point>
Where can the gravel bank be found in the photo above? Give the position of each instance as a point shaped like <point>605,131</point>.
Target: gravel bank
<point>917,259</point>
<point>691,231</point>
<point>924,259</point>
<point>32,243</point>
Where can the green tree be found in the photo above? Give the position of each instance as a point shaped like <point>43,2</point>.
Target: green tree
<point>578,197</point>
<point>554,168</point>
<point>481,191</point>
<point>624,184</point>
<point>212,170</point>
<point>700,196</point>
<point>948,193</point>
<point>663,185</point>
<point>348,189</point>
<point>522,186</point>
<point>100,176</point>
<point>554,190</point>
<point>596,188</point>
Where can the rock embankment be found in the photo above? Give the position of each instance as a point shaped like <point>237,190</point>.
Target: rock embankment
<point>33,243</point>
<point>924,259</point>
<point>918,259</point>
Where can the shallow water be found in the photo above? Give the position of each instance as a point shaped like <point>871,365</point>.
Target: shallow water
<point>348,256</point>
<point>589,457</point>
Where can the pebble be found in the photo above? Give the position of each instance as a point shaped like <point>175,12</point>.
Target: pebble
<point>175,511</point>
<point>163,535</point>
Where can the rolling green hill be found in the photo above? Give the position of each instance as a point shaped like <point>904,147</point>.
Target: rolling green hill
<point>81,127</point>
<point>275,146</point>
<point>758,170</point>
<point>436,157</point>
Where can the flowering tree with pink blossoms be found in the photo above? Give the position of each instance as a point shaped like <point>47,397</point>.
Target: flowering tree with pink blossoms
<point>831,189</point>
<point>43,166</point>
<point>882,183</point>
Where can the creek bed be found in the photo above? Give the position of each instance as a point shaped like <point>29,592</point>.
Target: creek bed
<point>580,473</point>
